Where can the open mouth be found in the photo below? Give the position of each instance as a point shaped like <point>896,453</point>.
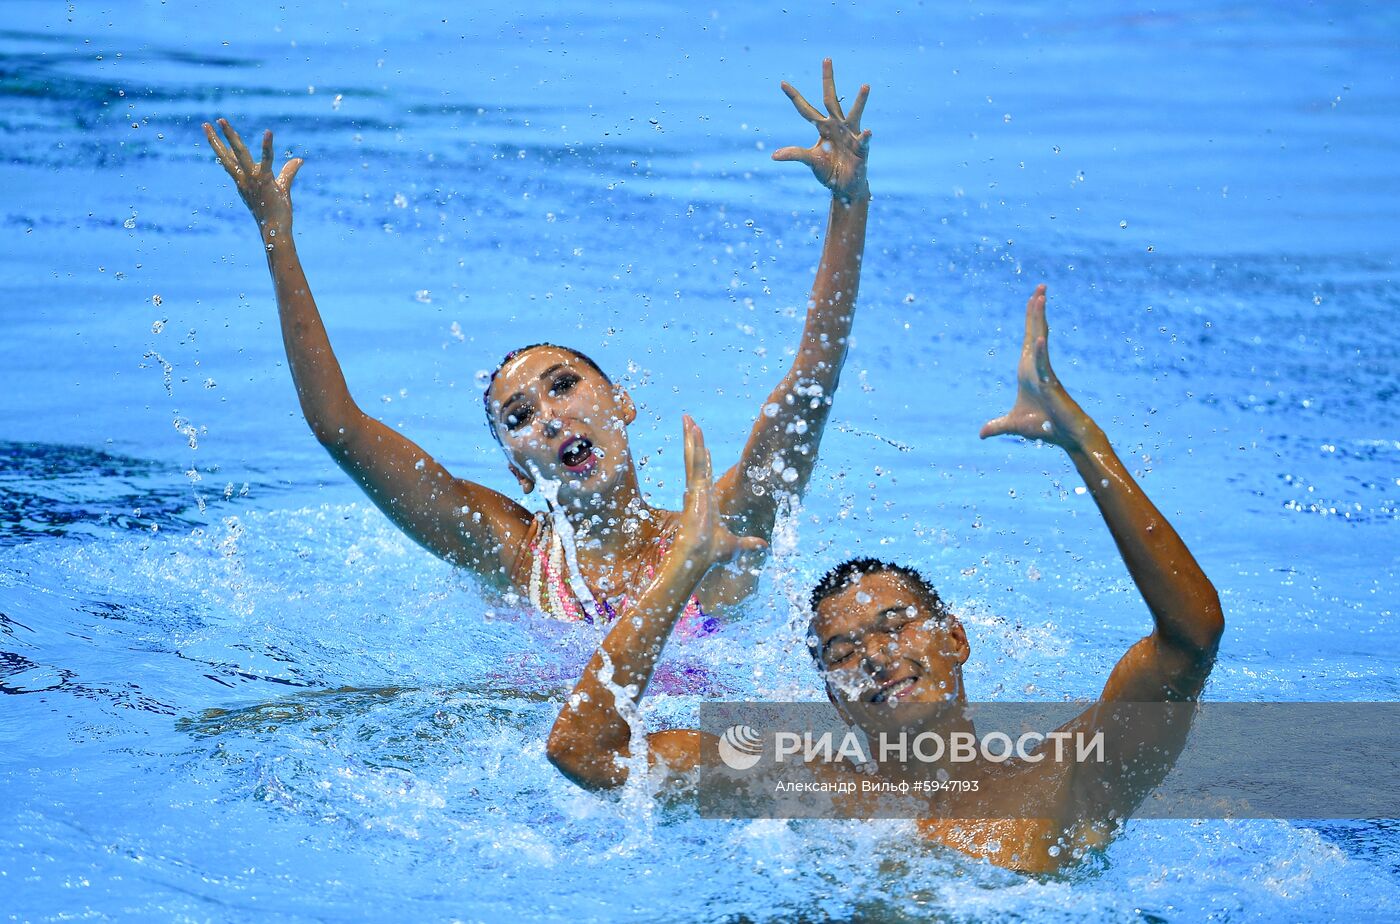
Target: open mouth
<point>577,455</point>
<point>891,692</point>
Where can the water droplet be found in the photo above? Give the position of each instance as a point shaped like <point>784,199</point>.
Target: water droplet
<point>1122,224</point>
<point>1045,425</point>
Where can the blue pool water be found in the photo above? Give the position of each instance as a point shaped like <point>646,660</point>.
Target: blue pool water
<point>238,693</point>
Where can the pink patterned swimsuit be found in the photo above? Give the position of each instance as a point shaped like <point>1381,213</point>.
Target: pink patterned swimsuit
<point>551,594</point>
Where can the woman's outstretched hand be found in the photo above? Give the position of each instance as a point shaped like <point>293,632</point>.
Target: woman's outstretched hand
<point>267,195</point>
<point>702,537</point>
<point>838,158</point>
<point>1043,409</point>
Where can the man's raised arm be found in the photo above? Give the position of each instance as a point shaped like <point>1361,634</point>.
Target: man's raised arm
<point>592,738</point>
<point>1171,664</point>
<point>790,424</point>
<point>465,523</point>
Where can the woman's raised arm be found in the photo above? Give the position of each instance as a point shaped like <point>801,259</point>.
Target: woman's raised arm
<point>464,523</point>
<point>782,447</point>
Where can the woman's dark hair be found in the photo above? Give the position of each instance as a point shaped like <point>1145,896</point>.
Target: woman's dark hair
<point>486,395</point>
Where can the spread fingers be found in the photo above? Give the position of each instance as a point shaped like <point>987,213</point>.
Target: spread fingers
<point>804,108</point>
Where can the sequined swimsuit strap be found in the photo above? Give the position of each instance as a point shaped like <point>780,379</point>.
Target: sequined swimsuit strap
<point>549,589</point>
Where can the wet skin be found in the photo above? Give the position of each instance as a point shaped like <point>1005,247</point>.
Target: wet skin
<point>890,663</point>
<point>879,641</point>
<point>557,417</point>
<point>881,646</point>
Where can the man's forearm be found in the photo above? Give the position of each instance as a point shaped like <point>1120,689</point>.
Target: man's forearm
<point>1182,599</point>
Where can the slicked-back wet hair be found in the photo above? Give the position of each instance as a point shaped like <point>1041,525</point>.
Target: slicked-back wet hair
<point>850,572</point>
<point>486,395</point>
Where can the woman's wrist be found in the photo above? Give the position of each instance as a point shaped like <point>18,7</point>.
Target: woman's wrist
<point>275,232</point>
<point>858,194</point>
<point>686,564</point>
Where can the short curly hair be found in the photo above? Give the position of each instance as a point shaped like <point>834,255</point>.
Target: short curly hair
<point>850,572</point>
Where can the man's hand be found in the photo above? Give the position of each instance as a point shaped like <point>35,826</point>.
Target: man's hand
<point>1043,409</point>
<point>702,539</point>
<point>267,195</point>
<point>838,157</point>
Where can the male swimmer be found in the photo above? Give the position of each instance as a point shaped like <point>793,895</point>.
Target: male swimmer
<point>887,647</point>
<point>562,422</point>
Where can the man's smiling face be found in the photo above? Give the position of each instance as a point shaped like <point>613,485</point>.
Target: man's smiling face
<point>881,641</point>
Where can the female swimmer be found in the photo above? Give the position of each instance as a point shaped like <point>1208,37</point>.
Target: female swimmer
<point>562,422</point>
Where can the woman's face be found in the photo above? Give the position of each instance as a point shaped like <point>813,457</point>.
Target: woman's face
<point>557,416</point>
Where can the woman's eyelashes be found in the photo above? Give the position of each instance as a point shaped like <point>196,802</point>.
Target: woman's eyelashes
<point>563,384</point>
<point>518,416</point>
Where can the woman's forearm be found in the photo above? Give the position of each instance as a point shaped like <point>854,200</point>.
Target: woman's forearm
<point>832,309</point>
<point>592,731</point>
<point>790,426</point>
<point>320,384</point>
